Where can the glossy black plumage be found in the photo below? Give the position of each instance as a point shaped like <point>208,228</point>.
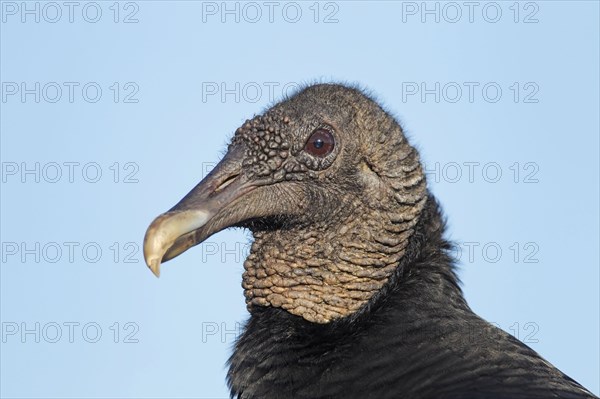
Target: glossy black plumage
<point>417,338</point>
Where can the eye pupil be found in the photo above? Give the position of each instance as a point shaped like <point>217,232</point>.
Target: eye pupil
<point>318,143</point>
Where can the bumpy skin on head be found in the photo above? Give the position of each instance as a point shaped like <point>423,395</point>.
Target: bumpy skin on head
<point>358,205</point>
<point>349,281</point>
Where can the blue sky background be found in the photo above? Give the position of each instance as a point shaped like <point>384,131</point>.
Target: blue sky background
<point>533,229</point>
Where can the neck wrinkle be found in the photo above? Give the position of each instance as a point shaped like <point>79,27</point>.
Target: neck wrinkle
<point>329,274</point>
<point>429,267</point>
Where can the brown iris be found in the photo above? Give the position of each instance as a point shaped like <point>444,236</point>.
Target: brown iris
<point>320,143</point>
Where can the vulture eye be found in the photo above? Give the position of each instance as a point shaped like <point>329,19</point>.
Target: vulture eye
<point>320,143</point>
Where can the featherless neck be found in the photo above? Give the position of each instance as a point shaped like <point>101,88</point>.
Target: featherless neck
<point>324,279</point>
<point>326,271</point>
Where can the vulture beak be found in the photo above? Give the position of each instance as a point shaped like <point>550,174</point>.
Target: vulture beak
<point>202,212</point>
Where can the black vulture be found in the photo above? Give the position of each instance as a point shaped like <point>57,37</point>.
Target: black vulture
<point>350,283</point>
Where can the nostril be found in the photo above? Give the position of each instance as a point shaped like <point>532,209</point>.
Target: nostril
<point>226,182</point>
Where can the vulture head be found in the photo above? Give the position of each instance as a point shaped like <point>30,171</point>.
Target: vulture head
<point>331,190</point>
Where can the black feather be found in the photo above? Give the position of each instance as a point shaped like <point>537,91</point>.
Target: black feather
<point>416,338</point>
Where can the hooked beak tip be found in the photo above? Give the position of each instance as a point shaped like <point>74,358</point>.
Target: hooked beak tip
<point>171,234</point>
<point>154,266</point>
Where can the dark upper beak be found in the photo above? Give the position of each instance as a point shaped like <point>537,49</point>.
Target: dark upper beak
<point>201,213</point>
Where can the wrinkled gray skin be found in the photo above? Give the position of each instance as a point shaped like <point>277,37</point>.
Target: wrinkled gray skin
<point>329,230</point>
